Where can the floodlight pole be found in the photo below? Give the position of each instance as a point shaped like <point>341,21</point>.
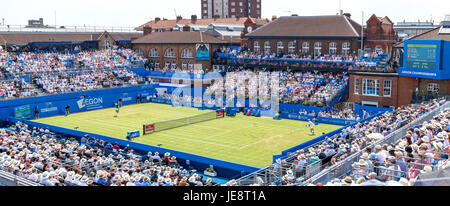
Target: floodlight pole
<point>362,32</point>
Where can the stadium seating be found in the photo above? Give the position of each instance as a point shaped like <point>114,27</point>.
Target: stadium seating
<point>41,156</point>
<point>24,74</point>
<point>430,137</point>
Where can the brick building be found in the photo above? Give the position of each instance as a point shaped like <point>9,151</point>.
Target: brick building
<point>178,49</point>
<point>230,8</point>
<point>310,35</point>
<point>380,34</point>
<point>369,88</point>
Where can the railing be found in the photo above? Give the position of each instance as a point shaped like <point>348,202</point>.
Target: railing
<point>324,171</point>
<point>345,166</point>
<point>8,179</point>
<point>60,28</point>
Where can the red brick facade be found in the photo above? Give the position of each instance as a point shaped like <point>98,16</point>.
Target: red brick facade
<point>297,43</point>
<point>178,59</point>
<point>380,34</point>
<point>383,99</point>
<point>402,89</point>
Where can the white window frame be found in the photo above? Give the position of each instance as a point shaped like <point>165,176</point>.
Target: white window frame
<point>280,47</point>
<point>317,48</point>
<point>305,47</point>
<point>187,54</point>
<point>170,53</point>
<point>267,47</point>
<point>432,87</point>
<point>345,48</point>
<point>367,84</point>
<point>256,47</point>
<point>387,89</point>
<point>332,49</point>
<point>291,47</point>
<point>153,53</point>
<point>356,86</point>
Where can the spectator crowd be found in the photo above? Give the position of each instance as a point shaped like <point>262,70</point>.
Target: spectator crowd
<point>425,145</point>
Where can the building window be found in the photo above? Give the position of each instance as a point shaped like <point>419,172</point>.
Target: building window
<point>356,86</point>
<point>280,48</point>
<point>291,47</point>
<point>378,49</point>
<point>317,48</point>
<point>333,48</point>
<point>191,66</point>
<point>153,53</point>
<point>266,47</point>
<point>233,10</point>
<point>106,44</point>
<point>387,88</point>
<point>345,48</point>
<point>174,65</point>
<point>256,47</point>
<point>184,66</point>
<point>157,64</point>
<point>433,87</point>
<point>166,65</point>
<point>187,53</point>
<point>139,52</point>
<point>371,87</point>
<point>170,53</point>
<point>305,47</point>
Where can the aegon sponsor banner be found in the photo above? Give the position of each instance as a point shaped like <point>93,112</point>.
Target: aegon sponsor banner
<point>49,109</point>
<point>90,103</point>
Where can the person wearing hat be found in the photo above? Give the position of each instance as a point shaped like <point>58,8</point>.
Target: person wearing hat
<point>391,171</point>
<point>347,181</point>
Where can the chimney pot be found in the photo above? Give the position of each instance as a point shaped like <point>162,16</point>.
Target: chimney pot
<point>194,19</point>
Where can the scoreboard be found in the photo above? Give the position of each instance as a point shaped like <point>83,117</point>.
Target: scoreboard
<point>421,56</point>
<point>428,59</point>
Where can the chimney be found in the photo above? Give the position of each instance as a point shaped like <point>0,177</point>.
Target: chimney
<point>147,30</point>
<point>274,17</point>
<point>186,28</point>
<point>216,17</point>
<point>193,19</point>
<point>294,15</point>
<point>179,18</point>
<point>157,19</point>
<point>348,15</point>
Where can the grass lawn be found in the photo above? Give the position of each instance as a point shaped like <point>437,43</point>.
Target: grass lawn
<point>246,140</point>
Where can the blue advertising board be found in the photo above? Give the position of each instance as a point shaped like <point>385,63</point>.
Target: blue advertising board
<point>202,52</point>
<point>22,111</point>
<point>426,59</point>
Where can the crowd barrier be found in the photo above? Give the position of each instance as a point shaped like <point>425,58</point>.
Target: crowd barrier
<point>343,167</point>
<point>9,179</point>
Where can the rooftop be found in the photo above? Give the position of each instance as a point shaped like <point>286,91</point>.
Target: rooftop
<point>309,26</point>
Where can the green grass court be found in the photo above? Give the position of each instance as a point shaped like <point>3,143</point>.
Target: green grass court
<point>246,140</point>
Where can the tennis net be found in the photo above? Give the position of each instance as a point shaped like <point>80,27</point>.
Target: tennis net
<point>174,123</point>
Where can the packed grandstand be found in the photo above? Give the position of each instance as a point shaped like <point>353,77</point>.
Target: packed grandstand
<point>394,147</point>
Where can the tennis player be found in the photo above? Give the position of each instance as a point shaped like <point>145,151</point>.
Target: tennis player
<point>311,126</point>
<point>117,109</point>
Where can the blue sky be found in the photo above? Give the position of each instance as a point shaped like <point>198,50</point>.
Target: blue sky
<point>132,13</point>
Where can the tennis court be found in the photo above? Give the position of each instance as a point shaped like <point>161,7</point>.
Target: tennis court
<point>246,140</point>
